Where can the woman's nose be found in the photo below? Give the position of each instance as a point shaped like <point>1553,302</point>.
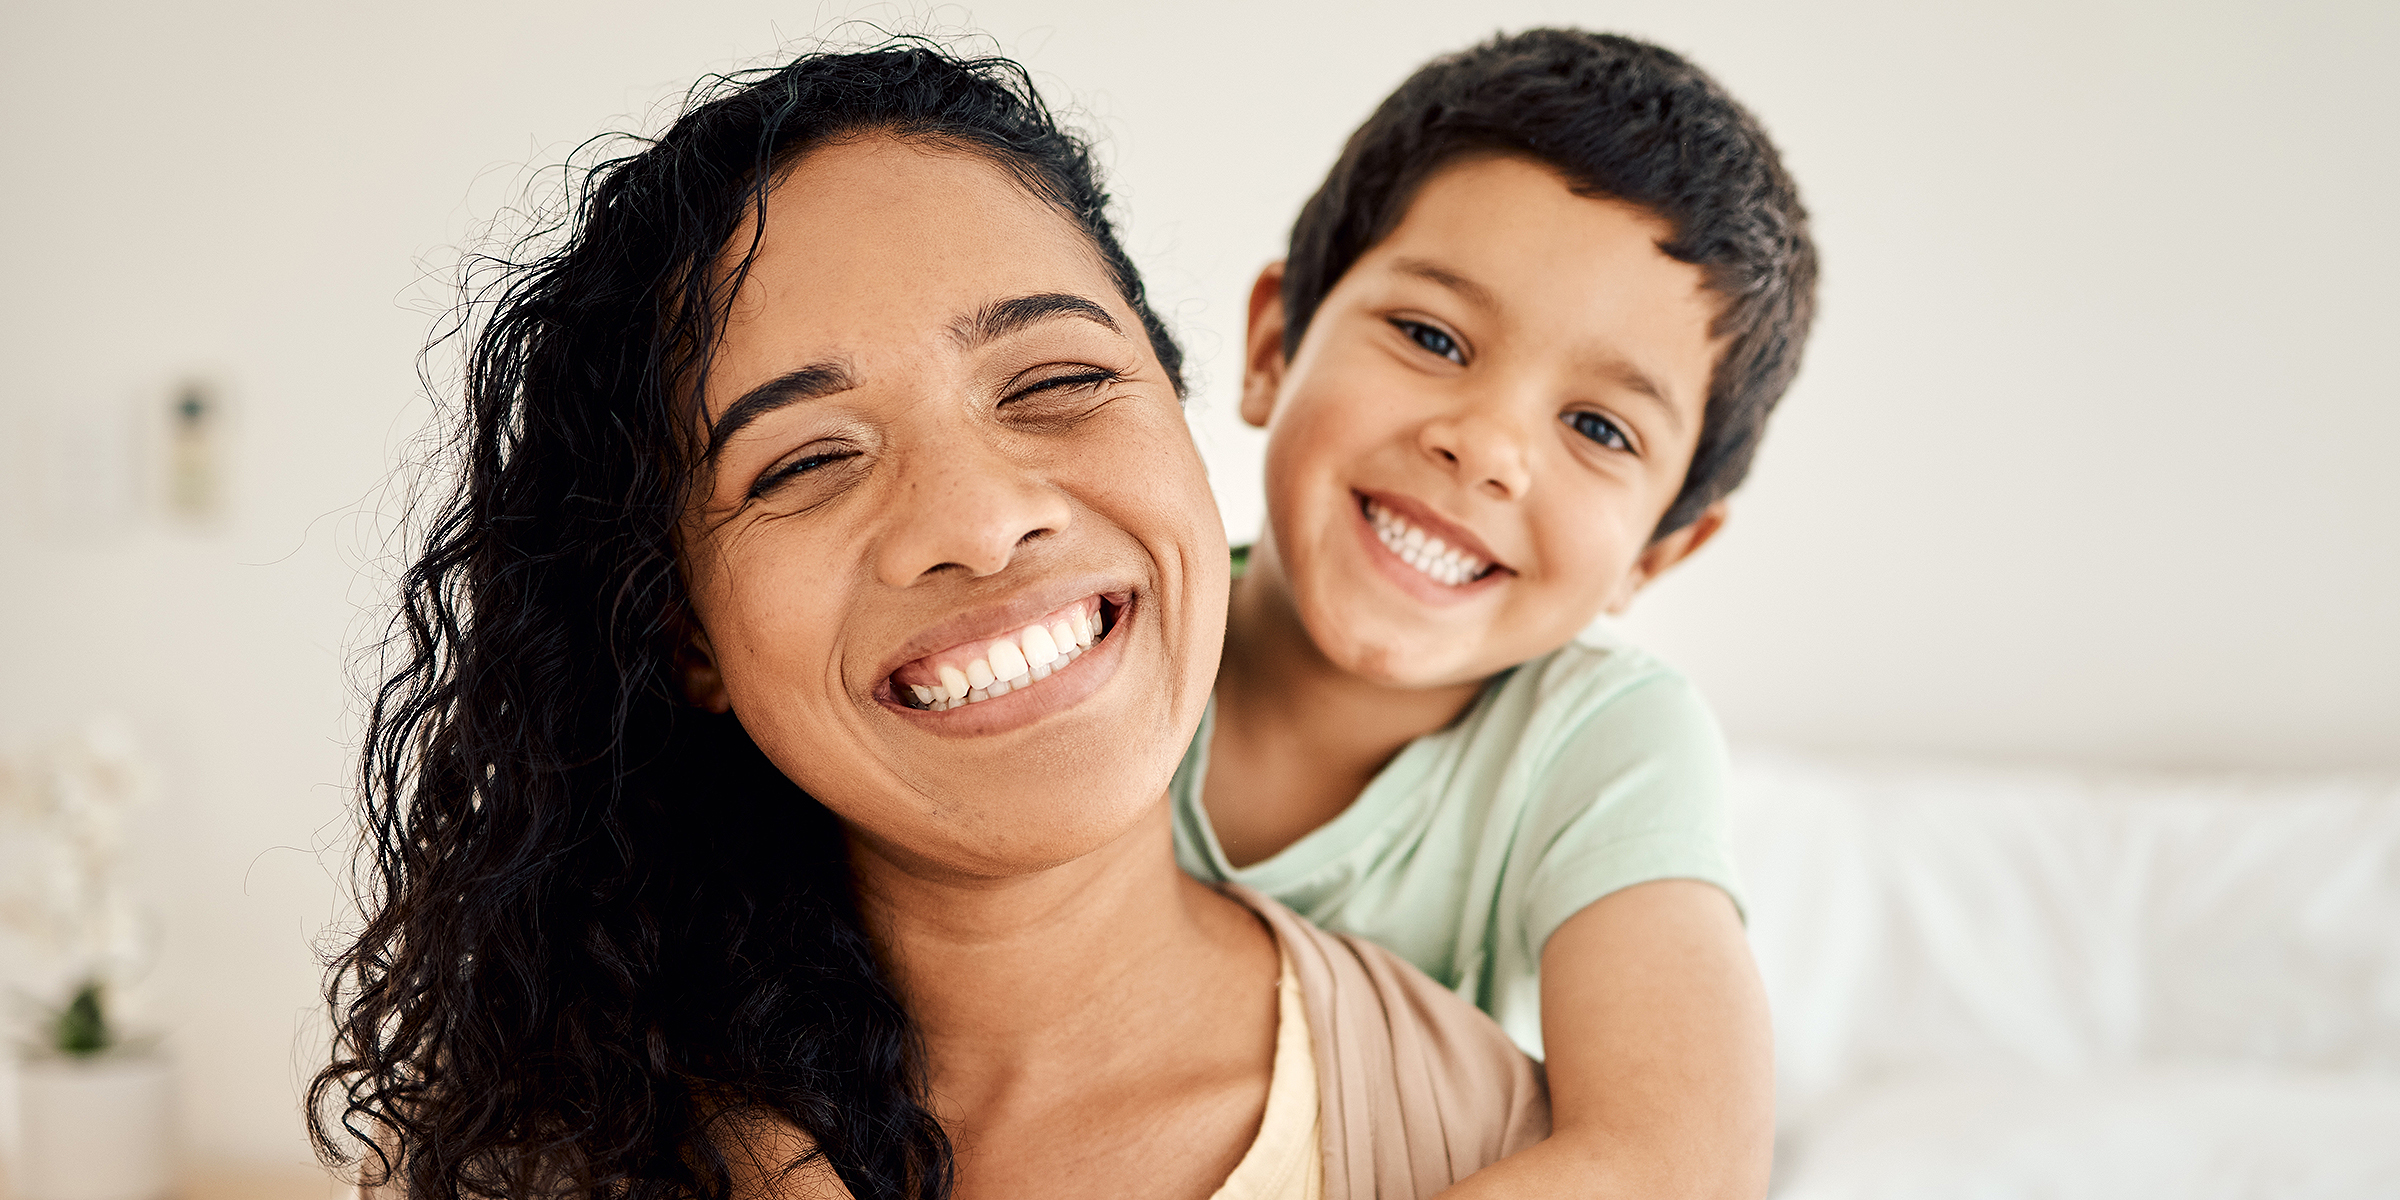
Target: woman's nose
<point>968,507</point>
<point>1486,451</point>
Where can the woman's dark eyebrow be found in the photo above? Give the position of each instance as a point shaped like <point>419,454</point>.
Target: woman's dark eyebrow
<point>993,321</point>
<point>808,383</point>
<point>1003,317</point>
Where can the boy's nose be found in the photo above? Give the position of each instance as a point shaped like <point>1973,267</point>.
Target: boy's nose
<point>1485,452</point>
<point>966,506</point>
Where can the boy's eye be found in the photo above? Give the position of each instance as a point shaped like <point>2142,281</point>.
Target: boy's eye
<point>1598,428</point>
<point>1432,339</point>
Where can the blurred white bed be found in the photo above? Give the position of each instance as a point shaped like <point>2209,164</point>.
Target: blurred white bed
<point>2041,983</point>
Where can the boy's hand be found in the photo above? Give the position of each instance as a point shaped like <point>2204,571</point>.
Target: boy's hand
<point>1661,1060</point>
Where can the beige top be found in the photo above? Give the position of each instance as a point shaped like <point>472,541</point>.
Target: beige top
<point>1417,1089</point>
<point>1285,1162</point>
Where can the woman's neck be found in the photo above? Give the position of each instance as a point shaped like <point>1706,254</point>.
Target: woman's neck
<point>1297,736</point>
<point>1044,958</point>
<point>1064,1012</point>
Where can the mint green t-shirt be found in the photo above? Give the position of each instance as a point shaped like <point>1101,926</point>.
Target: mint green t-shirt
<point>1587,770</point>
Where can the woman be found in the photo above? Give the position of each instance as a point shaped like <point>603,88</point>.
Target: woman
<point>771,798</point>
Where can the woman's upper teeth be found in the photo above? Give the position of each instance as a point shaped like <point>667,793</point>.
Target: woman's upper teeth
<point>1425,552</point>
<point>972,673</point>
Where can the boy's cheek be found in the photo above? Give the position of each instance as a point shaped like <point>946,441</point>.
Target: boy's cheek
<point>1310,451</point>
<point>1596,553</point>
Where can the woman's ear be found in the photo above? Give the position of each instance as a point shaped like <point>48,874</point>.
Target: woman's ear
<point>1664,553</point>
<point>696,665</point>
<point>1262,362</point>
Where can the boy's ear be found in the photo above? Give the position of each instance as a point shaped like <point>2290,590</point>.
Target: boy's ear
<point>696,665</point>
<point>1664,553</point>
<point>1262,360</point>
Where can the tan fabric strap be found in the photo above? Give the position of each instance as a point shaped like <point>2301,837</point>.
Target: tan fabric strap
<point>1419,1089</point>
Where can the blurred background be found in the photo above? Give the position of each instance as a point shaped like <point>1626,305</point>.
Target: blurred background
<point>2088,477</point>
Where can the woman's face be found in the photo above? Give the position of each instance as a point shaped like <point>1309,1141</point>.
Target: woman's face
<point>939,428</point>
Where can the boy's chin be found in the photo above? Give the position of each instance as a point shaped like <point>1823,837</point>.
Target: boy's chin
<point>1408,658</point>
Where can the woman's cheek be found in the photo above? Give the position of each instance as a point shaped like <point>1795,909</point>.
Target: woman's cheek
<point>1165,497</point>
<point>773,642</point>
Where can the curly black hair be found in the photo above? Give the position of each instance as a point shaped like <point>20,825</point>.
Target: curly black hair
<point>1619,118</point>
<point>603,936</point>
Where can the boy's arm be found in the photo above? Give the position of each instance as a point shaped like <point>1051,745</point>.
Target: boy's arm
<point>1660,1058</point>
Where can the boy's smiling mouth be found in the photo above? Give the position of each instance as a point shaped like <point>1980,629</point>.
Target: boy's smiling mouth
<point>1436,549</point>
<point>988,668</point>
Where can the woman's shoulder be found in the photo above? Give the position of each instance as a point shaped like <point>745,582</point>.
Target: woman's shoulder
<point>1417,1087</point>
<point>769,1160</point>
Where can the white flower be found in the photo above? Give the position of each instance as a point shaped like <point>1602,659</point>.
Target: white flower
<point>66,807</point>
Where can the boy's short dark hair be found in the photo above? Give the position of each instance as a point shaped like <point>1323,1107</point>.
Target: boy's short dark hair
<point>1622,119</point>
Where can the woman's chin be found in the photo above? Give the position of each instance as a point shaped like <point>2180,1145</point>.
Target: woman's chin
<point>990,834</point>
<point>1017,784</point>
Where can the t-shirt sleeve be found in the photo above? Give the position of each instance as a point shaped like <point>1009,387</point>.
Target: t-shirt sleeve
<point>1633,792</point>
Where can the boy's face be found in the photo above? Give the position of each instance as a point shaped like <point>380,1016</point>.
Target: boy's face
<point>1517,373</point>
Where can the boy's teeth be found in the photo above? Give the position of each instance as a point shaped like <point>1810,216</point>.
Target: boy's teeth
<point>1443,563</point>
<point>1009,664</point>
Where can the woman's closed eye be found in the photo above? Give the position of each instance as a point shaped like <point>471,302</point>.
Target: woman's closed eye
<point>813,459</point>
<point>1432,338</point>
<point>1598,428</point>
<point>1063,396</point>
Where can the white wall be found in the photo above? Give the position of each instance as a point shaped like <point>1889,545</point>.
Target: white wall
<point>2090,458</point>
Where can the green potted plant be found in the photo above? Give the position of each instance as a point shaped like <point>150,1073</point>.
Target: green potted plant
<point>84,1110</point>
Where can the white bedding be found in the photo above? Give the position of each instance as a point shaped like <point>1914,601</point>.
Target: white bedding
<point>2191,1133</point>
<point>2047,983</point>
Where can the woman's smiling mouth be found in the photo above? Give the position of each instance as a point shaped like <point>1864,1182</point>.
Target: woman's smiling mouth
<point>975,671</point>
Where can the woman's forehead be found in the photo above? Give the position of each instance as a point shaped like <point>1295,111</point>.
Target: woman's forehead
<point>885,215</point>
<point>883,242</point>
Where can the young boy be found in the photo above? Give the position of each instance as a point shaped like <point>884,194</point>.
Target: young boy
<point>1525,341</point>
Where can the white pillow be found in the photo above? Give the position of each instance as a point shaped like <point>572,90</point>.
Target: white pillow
<point>2177,1133</point>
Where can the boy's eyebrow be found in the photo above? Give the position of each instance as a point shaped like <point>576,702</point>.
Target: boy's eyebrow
<point>1432,272</point>
<point>1003,317</point>
<point>814,381</point>
<point>1643,384</point>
